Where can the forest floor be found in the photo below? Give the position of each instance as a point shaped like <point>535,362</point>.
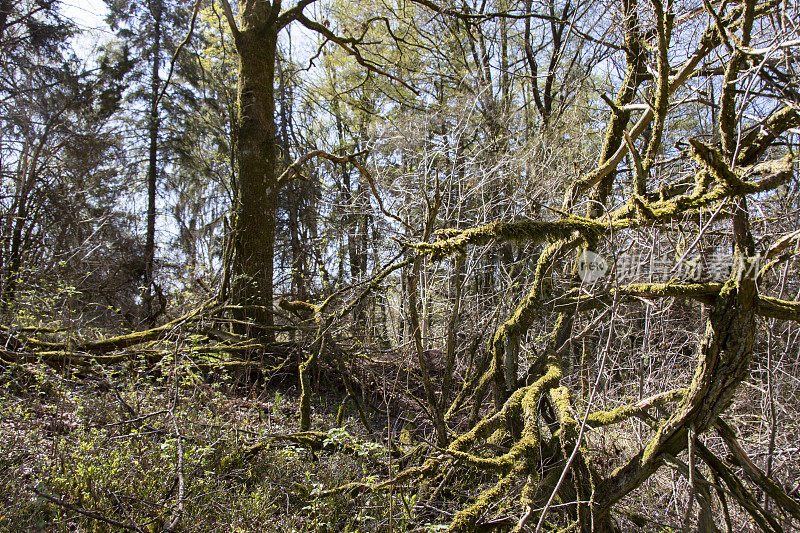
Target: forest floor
<point>137,447</point>
<point>120,449</point>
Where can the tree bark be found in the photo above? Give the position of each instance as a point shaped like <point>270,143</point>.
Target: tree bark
<point>256,150</point>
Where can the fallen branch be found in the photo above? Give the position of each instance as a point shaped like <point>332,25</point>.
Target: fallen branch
<point>755,474</point>
<point>90,514</point>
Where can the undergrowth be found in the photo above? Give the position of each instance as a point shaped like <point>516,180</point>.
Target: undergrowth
<point>73,445</point>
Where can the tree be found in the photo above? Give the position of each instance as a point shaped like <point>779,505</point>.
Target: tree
<point>542,422</point>
<point>31,38</point>
<point>256,191</point>
<point>66,250</point>
<point>258,182</point>
<point>578,266</point>
<point>146,32</point>
<point>724,178</point>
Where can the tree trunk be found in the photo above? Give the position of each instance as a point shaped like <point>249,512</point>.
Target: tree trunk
<point>256,150</point>
<point>156,8</point>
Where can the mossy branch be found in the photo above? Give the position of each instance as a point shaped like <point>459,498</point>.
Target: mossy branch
<point>707,293</point>
<point>517,460</point>
<point>710,40</point>
<point>730,185</point>
<point>770,307</point>
<point>524,231</point>
<point>761,137</point>
<point>723,361</point>
<point>639,409</point>
<point>776,172</point>
<point>458,447</point>
<point>465,520</point>
<point>209,309</point>
<point>302,310</point>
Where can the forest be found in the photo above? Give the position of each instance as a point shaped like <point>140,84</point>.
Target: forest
<point>399,265</point>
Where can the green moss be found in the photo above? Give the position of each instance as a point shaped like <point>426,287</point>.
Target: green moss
<point>623,412</point>
<point>452,242</point>
<point>303,310</point>
<point>466,519</point>
<point>499,465</point>
<point>561,403</point>
<point>305,385</point>
<point>713,161</point>
<point>760,138</point>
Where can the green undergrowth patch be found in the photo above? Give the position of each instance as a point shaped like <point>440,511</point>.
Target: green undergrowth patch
<point>108,444</point>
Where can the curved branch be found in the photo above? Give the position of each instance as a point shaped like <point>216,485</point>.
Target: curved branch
<point>754,473</point>
<point>226,9</point>
<point>348,45</point>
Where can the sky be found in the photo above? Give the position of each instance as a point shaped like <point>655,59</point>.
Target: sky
<point>89,16</point>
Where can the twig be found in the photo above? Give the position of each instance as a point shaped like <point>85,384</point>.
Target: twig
<point>183,43</point>
<point>90,514</point>
<point>125,512</point>
<point>132,420</point>
<point>176,519</point>
<point>687,519</point>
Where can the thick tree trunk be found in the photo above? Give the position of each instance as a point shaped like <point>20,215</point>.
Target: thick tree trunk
<point>256,150</point>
